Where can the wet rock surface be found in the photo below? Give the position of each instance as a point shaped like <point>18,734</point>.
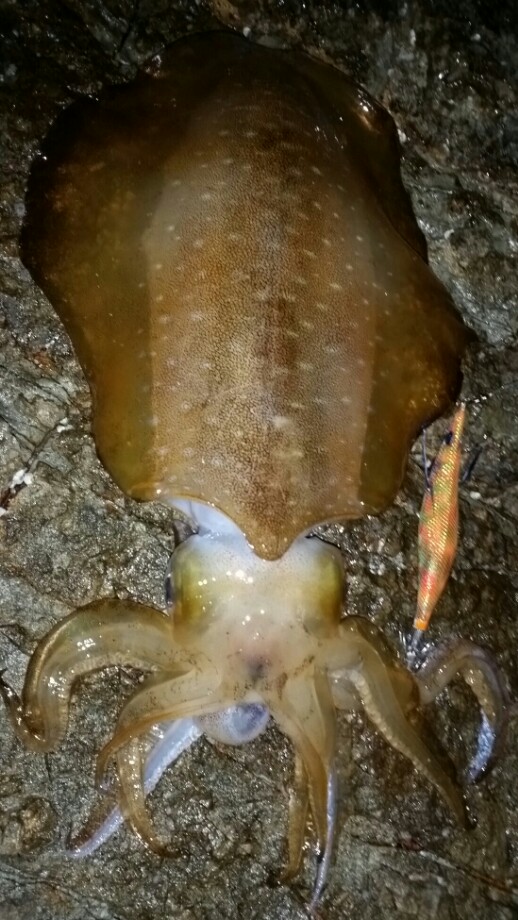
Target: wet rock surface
<point>448,75</point>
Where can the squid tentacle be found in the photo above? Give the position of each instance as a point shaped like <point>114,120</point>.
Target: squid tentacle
<point>481,673</point>
<point>166,742</point>
<point>304,711</point>
<point>325,856</point>
<point>298,804</point>
<point>162,697</point>
<point>372,680</point>
<point>236,724</point>
<point>173,740</point>
<point>132,797</point>
<point>106,633</point>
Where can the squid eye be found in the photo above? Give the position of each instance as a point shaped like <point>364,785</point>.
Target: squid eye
<point>182,530</point>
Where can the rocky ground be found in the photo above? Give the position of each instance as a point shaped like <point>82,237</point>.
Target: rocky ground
<point>448,74</point>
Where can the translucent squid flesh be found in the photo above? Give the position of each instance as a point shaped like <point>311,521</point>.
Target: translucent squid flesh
<point>230,247</point>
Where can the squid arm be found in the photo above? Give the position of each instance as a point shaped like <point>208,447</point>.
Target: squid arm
<point>168,742</point>
<point>106,633</point>
<point>481,673</point>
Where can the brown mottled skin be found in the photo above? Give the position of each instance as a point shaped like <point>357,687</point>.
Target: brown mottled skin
<point>233,253</point>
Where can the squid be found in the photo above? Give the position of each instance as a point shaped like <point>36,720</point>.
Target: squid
<point>230,247</point>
